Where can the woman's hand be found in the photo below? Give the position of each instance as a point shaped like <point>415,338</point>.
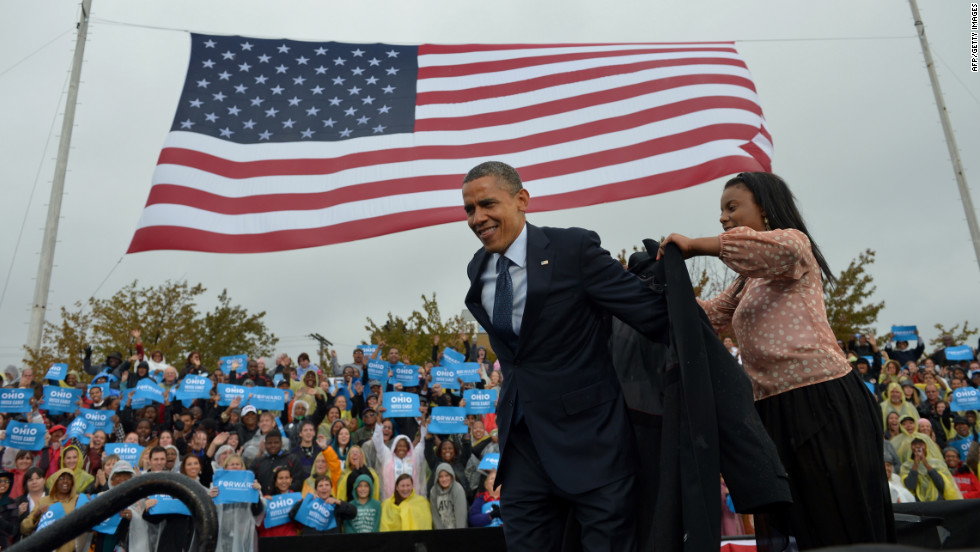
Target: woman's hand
<point>213,492</point>
<point>691,247</point>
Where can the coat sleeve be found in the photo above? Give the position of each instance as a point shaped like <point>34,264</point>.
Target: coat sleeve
<point>618,292</point>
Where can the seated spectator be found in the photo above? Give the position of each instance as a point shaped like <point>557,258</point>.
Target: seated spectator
<point>485,511</point>
<point>895,486</point>
<point>355,467</point>
<point>911,393</point>
<point>121,472</point>
<point>965,480</point>
<point>400,460</point>
<point>71,460</point>
<point>437,451</point>
<point>9,518</point>
<point>892,428</point>
<point>447,499</point>
<point>63,491</point>
<point>283,483</point>
<point>890,374</point>
<point>903,443</point>
<point>319,468</point>
<point>927,477</point>
<point>903,354</point>
<point>405,510</point>
<point>307,449</point>
<point>23,461</point>
<point>237,522</point>
<point>368,518</point>
<point>342,511</point>
<point>896,403</point>
<point>267,465</point>
<point>963,436</point>
<point>267,424</point>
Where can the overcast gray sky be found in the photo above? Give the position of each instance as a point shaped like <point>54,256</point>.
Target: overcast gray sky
<point>843,86</point>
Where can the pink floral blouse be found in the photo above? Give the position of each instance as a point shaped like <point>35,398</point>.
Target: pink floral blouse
<point>778,317</point>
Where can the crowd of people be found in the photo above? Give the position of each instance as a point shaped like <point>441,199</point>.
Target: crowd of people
<point>333,441</point>
<point>331,449</point>
<point>931,451</point>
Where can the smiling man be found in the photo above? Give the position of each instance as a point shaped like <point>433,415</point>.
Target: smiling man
<point>543,295</point>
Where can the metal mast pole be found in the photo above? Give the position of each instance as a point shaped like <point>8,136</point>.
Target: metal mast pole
<point>43,282</point>
<point>971,215</point>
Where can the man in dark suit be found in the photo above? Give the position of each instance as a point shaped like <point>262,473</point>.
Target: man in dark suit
<point>543,294</point>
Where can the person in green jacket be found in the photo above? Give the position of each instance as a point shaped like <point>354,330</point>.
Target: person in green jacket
<point>368,518</point>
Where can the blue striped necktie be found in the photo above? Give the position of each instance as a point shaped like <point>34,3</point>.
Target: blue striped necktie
<point>503,304</point>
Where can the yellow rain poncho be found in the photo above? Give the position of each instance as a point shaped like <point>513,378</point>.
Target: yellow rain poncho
<point>925,488</point>
<point>903,409</point>
<point>82,478</point>
<point>412,514</point>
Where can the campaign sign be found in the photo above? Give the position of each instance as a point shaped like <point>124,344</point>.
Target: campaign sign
<point>278,508</point>
<point>960,352</point>
<point>236,363</point>
<point>99,419</point>
<point>368,350</point>
<point>235,487</point>
<point>489,461</point>
<point>378,370</point>
<point>445,376</point>
<point>276,379</point>
<point>904,333</point>
<point>77,430</point>
<point>965,398</point>
<point>228,392</point>
<point>126,451</point>
<point>469,372</point>
<point>870,386</point>
<point>58,400</point>
<point>266,398</point>
<point>406,374</point>
<point>480,401</point>
<point>146,390</point>
<point>24,436</point>
<point>487,508</point>
<point>194,387</point>
<point>16,400</point>
<point>452,356</point>
<point>104,374</point>
<point>57,372</point>
<point>55,512</point>
<point>109,526</point>
<point>316,513</point>
<point>167,504</point>
<point>401,405</point>
<point>448,419</point>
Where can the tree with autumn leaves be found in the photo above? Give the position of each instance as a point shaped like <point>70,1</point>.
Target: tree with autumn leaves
<point>168,319</point>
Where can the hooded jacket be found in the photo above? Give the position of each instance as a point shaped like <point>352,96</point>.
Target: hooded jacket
<point>29,524</point>
<point>350,475</point>
<point>448,506</point>
<point>368,518</point>
<point>82,478</point>
<point>412,514</point>
<point>390,467</point>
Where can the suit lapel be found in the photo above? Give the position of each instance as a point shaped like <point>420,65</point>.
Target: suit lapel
<point>474,299</point>
<point>540,259</point>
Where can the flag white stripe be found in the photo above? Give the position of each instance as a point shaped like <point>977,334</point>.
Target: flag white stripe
<point>180,215</point>
<point>232,187</point>
<point>507,76</point>
<point>333,150</point>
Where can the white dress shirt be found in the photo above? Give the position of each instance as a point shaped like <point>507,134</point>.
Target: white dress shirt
<point>517,253</point>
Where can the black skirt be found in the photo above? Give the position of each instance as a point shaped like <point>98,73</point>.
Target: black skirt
<point>829,438</point>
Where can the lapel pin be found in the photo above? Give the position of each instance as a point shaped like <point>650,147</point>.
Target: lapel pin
<point>544,263</point>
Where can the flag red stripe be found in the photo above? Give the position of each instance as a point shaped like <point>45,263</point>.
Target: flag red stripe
<point>294,167</point>
<point>546,81</point>
<point>431,49</point>
<point>485,67</point>
<point>565,105</point>
<point>179,195</point>
<point>182,238</point>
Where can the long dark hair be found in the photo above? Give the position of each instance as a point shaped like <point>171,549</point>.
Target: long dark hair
<point>775,199</point>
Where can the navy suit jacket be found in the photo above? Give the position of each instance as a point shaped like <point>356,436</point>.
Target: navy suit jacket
<point>562,371</point>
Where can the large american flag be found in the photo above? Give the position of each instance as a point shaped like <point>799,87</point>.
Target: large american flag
<point>283,144</point>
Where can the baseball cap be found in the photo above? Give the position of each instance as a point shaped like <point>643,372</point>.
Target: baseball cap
<point>249,410</point>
